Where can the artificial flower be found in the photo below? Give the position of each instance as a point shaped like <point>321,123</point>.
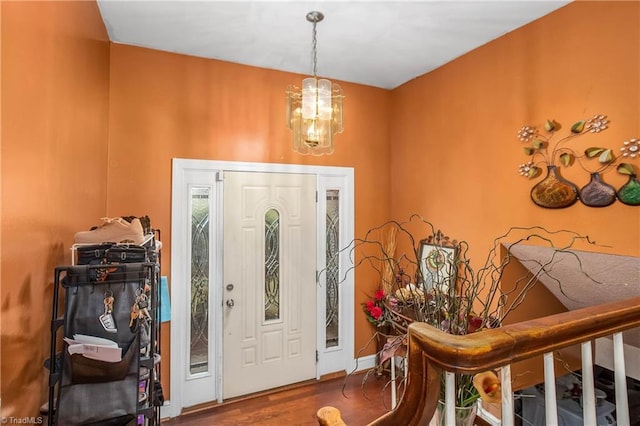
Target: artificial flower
<point>379,294</point>
<point>488,385</point>
<point>376,312</point>
<point>374,308</point>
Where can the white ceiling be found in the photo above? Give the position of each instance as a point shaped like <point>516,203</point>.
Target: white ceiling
<point>375,43</point>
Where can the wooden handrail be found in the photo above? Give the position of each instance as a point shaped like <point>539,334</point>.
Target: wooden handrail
<point>417,406</point>
<point>431,351</point>
<point>489,349</point>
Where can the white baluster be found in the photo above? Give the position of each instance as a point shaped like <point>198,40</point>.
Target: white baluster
<point>550,408</point>
<point>588,391</point>
<point>507,396</point>
<point>622,403</point>
<point>450,399</point>
<point>393,382</point>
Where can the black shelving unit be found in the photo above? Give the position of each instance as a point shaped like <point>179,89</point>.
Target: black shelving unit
<point>86,391</point>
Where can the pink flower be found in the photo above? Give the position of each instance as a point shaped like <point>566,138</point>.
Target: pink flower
<point>379,294</point>
<point>376,312</point>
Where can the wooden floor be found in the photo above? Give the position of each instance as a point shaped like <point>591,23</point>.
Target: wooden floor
<point>358,403</point>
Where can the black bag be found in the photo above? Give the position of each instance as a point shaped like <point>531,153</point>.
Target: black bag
<point>158,396</point>
<point>126,253</point>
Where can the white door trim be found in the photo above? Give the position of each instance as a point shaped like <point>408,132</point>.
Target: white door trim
<point>335,359</point>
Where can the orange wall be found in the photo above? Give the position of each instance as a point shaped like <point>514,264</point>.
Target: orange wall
<point>89,130</point>
<point>166,106</point>
<point>456,154</point>
<point>539,303</point>
<point>55,80</point>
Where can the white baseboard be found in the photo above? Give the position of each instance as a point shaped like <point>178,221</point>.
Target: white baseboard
<point>363,363</point>
<point>167,411</point>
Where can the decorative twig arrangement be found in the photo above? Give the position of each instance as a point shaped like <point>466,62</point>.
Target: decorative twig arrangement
<point>435,281</point>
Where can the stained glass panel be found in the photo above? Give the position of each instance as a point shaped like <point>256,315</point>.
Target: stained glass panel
<point>272,265</point>
<point>199,349</point>
<point>332,317</point>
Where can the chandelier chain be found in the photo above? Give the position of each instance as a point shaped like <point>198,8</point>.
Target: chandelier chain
<point>315,49</point>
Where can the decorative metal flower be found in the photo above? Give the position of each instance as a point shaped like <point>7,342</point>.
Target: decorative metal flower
<point>596,124</point>
<point>630,150</point>
<point>539,143</point>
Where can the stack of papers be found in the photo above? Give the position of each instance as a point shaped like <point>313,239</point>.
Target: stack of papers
<point>94,347</point>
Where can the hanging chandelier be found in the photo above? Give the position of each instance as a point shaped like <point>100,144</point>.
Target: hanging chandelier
<point>314,113</point>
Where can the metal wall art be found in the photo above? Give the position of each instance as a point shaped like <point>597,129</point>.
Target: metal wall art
<point>556,192</point>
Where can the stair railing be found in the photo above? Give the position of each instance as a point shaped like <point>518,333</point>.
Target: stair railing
<point>432,352</point>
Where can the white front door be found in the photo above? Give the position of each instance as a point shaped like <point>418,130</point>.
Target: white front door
<point>269,282</point>
<point>219,238</point>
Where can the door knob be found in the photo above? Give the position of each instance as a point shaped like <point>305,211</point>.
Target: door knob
<point>230,303</point>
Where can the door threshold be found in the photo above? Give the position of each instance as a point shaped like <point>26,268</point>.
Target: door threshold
<point>214,404</point>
